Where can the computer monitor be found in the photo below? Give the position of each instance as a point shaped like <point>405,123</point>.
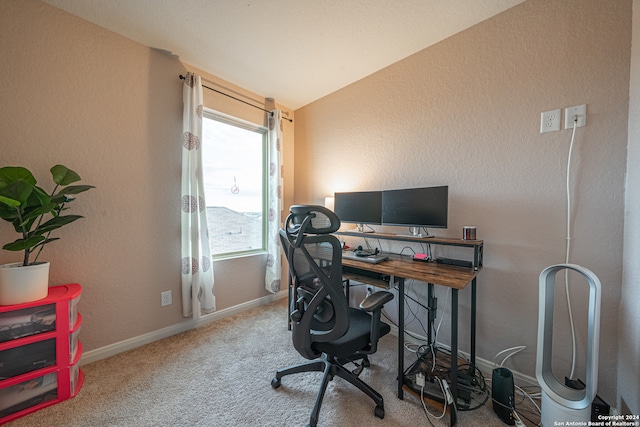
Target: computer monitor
<point>359,207</point>
<point>425,207</point>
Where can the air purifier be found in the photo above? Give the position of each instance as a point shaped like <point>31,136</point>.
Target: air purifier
<point>560,403</point>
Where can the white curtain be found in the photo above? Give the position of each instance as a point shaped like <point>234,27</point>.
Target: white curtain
<point>274,202</point>
<point>197,268</point>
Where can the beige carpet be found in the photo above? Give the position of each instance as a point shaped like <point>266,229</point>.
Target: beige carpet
<point>220,375</point>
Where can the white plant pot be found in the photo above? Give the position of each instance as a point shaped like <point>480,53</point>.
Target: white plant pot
<point>20,284</point>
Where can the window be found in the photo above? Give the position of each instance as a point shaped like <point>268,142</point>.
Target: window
<point>233,161</point>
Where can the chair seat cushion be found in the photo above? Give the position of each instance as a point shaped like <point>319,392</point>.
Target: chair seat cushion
<point>357,336</point>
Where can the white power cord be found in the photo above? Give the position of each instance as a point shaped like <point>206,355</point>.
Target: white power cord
<point>446,393</point>
<point>566,259</point>
<point>446,302</point>
<point>517,419</point>
<point>529,396</point>
<point>514,350</point>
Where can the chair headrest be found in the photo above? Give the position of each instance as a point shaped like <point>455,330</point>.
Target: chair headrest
<point>311,219</point>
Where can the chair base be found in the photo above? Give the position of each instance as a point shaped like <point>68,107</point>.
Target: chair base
<point>331,367</point>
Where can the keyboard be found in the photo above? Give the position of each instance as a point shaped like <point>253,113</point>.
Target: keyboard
<point>371,259</point>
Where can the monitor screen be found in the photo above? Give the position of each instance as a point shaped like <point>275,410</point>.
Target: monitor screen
<point>416,207</point>
<point>360,207</point>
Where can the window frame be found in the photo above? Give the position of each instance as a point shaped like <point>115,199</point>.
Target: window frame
<point>211,114</point>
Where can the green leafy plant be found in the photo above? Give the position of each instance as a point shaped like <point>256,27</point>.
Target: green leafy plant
<point>32,211</point>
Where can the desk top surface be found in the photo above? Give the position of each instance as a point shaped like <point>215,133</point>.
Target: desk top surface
<point>403,266</point>
<point>430,272</point>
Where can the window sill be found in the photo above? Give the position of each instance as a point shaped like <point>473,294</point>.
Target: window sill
<point>237,255</point>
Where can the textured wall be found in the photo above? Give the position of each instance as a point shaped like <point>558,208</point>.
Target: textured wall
<point>111,109</point>
<point>466,113</point>
<point>629,348</point>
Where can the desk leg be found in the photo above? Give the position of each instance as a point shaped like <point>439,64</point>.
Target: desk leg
<point>400,337</point>
<point>473,327</point>
<point>454,349</point>
<point>431,315</point>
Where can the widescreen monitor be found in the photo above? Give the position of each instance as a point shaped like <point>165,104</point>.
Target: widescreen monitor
<point>359,207</point>
<point>425,207</point>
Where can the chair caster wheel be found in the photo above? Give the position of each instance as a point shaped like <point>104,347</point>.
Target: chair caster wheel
<point>379,412</point>
<point>275,382</point>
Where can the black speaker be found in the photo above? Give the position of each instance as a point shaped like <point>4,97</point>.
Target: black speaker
<point>502,391</point>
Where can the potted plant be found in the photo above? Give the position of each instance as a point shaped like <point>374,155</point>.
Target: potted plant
<point>34,214</point>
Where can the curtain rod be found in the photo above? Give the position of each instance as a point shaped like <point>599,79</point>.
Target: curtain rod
<point>237,99</point>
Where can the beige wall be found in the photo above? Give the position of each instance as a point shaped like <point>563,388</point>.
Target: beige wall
<point>466,113</point>
<point>111,109</point>
<point>629,348</point>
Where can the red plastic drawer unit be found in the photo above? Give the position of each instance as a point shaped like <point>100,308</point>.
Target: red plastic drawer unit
<point>39,352</point>
<point>26,358</point>
<point>27,321</point>
<point>74,342</point>
<point>28,393</point>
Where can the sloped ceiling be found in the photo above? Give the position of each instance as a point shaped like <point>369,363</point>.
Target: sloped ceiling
<point>295,51</point>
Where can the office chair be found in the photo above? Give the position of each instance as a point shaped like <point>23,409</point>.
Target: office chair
<point>325,329</point>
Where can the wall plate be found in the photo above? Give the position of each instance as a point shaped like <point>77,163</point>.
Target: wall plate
<point>579,112</point>
<point>550,121</point>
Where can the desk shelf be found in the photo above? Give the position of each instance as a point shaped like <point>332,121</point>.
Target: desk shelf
<point>476,245</point>
<point>405,238</point>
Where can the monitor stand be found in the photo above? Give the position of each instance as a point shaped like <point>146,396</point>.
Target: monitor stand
<point>415,232</point>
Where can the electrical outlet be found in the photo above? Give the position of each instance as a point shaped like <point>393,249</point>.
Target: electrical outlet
<point>579,113</point>
<point>165,298</point>
<point>550,121</point>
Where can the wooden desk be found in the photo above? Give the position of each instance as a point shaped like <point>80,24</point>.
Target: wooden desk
<point>401,268</point>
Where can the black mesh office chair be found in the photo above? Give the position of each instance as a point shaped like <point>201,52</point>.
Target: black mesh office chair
<point>325,329</point>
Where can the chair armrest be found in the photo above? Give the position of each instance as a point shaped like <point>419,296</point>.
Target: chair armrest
<point>376,300</point>
<point>373,304</point>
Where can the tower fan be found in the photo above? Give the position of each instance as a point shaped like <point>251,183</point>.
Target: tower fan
<point>559,402</point>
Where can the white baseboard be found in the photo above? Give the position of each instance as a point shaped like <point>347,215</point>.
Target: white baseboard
<point>485,366</point>
<point>131,343</point>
